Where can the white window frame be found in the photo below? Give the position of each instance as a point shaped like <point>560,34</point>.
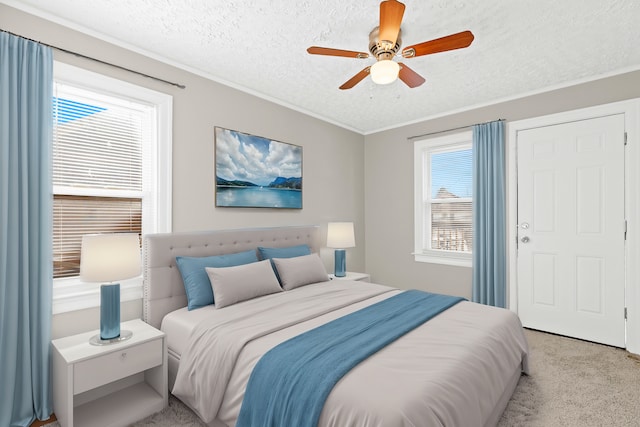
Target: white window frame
<point>422,192</point>
<point>70,294</point>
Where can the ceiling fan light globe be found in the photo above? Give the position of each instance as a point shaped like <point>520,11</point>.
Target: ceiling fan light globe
<point>384,72</point>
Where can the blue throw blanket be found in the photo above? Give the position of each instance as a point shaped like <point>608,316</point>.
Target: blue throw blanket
<point>290,383</point>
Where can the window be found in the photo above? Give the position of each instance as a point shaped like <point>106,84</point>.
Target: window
<point>443,200</point>
<point>111,172</point>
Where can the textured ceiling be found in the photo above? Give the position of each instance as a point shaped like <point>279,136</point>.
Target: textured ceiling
<point>520,46</point>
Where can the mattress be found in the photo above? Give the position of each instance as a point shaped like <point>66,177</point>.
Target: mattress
<point>457,369</point>
<point>178,325</point>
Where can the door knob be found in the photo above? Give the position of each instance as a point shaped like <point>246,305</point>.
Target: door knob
<point>525,239</point>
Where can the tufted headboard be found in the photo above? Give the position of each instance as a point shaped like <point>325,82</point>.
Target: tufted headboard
<point>163,290</point>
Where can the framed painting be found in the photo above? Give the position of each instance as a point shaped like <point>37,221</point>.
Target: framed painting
<point>256,172</point>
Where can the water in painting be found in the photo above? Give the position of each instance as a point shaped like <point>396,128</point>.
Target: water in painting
<point>258,196</point>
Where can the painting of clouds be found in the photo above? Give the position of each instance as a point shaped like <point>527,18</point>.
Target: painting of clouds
<point>256,172</point>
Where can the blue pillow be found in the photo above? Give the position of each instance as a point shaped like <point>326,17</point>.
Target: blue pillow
<point>195,279</point>
<point>288,252</point>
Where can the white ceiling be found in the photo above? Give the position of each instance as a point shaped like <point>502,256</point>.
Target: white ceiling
<point>520,46</point>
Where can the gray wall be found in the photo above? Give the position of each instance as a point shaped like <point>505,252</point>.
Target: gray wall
<point>389,180</point>
<point>333,165</point>
<point>345,174</point>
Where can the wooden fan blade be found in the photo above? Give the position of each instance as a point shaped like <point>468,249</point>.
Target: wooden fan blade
<point>410,77</point>
<point>316,50</point>
<point>355,79</point>
<point>443,44</point>
<point>391,12</point>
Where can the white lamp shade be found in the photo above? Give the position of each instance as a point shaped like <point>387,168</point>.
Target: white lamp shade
<point>384,72</point>
<point>340,235</point>
<point>109,257</point>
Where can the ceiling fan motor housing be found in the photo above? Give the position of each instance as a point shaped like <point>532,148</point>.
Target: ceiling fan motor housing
<point>382,49</point>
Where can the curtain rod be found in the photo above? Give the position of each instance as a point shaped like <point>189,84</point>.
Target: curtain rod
<point>80,55</point>
<point>448,130</point>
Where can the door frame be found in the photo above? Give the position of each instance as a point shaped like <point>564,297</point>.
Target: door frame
<point>631,111</point>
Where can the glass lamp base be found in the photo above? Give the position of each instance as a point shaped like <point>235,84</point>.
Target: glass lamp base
<point>124,335</point>
<point>340,264</point>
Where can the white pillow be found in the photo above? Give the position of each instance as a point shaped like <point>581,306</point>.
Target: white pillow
<point>234,284</point>
<point>300,271</point>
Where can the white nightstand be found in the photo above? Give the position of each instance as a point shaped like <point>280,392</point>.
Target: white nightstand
<point>112,385</point>
<point>363,277</point>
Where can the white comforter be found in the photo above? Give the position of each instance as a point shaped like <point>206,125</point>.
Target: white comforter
<point>450,371</point>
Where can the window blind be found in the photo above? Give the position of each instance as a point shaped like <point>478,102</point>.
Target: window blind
<point>449,201</point>
<point>74,216</point>
<point>97,169</point>
<point>97,147</point>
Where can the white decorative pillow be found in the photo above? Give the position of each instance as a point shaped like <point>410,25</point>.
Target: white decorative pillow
<point>234,284</point>
<point>300,271</point>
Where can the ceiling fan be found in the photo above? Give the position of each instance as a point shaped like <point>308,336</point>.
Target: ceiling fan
<point>384,44</point>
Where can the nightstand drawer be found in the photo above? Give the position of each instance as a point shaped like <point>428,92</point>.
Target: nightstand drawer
<point>113,366</point>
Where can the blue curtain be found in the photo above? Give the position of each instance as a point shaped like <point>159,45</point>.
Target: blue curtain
<point>26,87</point>
<point>489,216</point>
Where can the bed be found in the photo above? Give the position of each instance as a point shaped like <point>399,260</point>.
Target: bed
<point>458,369</point>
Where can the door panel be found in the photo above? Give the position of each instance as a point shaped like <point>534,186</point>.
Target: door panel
<point>571,216</point>
<point>544,279</point>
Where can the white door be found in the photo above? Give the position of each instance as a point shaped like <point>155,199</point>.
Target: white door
<point>571,229</point>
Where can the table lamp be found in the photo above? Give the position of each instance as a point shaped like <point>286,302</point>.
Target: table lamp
<point>108,258</point>
<point>340,236</point>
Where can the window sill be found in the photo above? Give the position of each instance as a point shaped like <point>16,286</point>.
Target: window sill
<point>454,259</point>
<point>71,294</point>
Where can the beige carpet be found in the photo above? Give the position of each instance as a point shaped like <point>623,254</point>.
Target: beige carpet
<point>572,383</point>
<point>575,383</point>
